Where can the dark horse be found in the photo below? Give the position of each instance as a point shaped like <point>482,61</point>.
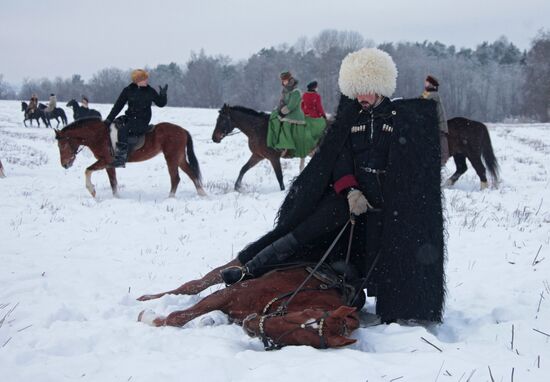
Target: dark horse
<point>2,175</point>
<point>36,114</point>
<point>80,112</point>
<point>171,140</point>
<point>55,114</point>
<point>254,125</point>
<point>470,139</point>
<point>316,316</point>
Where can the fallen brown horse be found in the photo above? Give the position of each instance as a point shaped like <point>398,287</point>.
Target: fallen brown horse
<point>470,139</point>
<point>2,175</point>
<point>171,140</point>
<point>316,316</point>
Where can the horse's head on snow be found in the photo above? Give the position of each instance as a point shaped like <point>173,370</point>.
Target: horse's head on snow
<point>313,327</point>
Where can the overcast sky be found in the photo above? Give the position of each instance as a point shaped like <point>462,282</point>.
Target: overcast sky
<point>49,38</point>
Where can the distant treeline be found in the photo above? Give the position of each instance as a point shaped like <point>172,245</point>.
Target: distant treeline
<point>493,82</point>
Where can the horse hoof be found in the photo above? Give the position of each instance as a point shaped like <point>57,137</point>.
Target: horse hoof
<point>448,183</point>
<point>147,317</point>
<point>201,192</point>
<point>484,185</point>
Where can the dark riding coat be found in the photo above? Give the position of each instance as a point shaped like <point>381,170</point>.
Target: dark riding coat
<point>139,99</point>
<point>410,270</point>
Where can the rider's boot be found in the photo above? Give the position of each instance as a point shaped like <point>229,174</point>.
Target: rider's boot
<point>275,253</point>
<point>121,155</point>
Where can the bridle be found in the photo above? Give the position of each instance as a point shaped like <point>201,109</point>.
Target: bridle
<point>76,150</point>
<point>227,122</point>
<point>317,326</point>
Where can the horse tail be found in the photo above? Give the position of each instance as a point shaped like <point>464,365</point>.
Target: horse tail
<point>192,158</point>
<point>63,116</point>
<point>489,155</point>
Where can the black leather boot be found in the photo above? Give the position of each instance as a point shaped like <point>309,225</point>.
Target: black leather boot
<point>275,253</point>
<point>121,155</point>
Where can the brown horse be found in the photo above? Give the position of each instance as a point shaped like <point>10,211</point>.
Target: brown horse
<point>316,316</point>
<point>470,139</point>
<point>254,125</point>
<point>172,140</point>
<point>2,175</point>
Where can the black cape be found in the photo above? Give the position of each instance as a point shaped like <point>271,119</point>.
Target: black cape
<point>410,271</point>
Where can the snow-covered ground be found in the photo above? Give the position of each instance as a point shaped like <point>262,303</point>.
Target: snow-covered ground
<point>71,268</point>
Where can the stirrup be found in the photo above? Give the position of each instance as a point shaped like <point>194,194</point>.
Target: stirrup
<point>244,273</point>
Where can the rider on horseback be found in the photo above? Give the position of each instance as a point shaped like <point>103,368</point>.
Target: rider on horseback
<point>33,104</point>
<point>139,96</point>
<point>431,87</point>
<point>52,104</point>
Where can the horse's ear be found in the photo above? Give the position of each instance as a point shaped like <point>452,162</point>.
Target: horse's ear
<point>56,132</point>
<point>339,341</point>
<point>342,311</point>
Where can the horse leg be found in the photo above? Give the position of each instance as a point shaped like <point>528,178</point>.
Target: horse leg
<point>112,179</point>
<point>461,167</point>
<point>191,174</point>
<point>89,185</point>
<point>2,175</point>
<point>195,286</point>
<point>276,163</point>
<point>480,170</point>
<point>174,175</point>
<point>215,301</point>
<point>252,161</point>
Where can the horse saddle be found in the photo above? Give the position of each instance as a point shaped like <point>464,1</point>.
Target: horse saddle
<point>135,141</point>
<point>342,276</point>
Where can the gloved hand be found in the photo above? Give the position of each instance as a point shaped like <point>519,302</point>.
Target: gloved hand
<point>281,114</point>
<point>163,90</point>
<point>357,202</point>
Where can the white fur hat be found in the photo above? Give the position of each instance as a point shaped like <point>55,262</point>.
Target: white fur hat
<point>368,70</point>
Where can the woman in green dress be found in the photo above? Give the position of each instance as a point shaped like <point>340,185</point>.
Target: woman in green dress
<point>287,118</point>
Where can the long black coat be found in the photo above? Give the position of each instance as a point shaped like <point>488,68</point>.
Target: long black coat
<point>410,271</point>
<point>139,101</point>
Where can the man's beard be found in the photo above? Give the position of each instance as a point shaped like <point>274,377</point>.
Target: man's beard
<point>365,105</point>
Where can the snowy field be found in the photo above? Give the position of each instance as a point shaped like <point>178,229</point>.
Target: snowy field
<point>71,268</point>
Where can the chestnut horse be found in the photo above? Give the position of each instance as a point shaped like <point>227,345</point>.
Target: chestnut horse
<point>254,125</point>
<point>172,140</point>
<point>2,175</point>
<point>316,316</point>
<point>470,139</point>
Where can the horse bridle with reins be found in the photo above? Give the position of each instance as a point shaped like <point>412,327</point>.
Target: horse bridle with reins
<point>275,344</point>
<point>229,122</point>
<point>78,149</point>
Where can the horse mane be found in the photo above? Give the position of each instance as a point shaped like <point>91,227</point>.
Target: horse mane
<point>249,111</point>
<point>78,123</point>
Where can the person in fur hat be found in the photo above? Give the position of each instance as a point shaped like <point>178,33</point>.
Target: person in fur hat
<point>33,104</point>
<point>286,118</point>
<point>378,162</point>
<point>316,119</point>
<point>139,96</point>
<point>431,91</point>
<point>52,103</point>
